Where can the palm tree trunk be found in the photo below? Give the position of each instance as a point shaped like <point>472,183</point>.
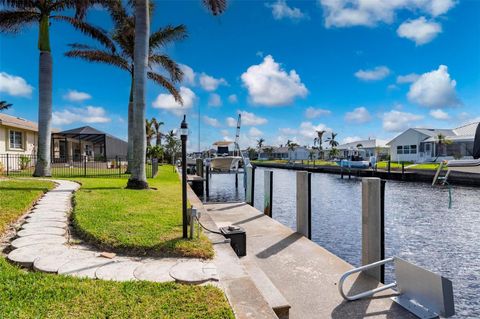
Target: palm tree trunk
<point>130,130</point>
<point>42,167</point>
<point>159,138</point>
<point>138,179</point>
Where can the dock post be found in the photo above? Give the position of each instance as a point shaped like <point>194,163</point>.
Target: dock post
<point>250,189</point>
<point>341,172</point>
<point>304,204</point>
<point>403,170</point>
<point>349,173</point>
<point>382,229</point>
<point>372,224</point>
<point>207,181</point>
<point>268,193</point>
<point>199,167</point>
<point>236,180</point>
<point>389,165</point>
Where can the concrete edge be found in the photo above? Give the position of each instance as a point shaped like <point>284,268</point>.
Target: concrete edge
<point>239,288</point>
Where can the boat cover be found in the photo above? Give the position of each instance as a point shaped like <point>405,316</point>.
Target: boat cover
<point>464,163</point>
<point>476,143</point>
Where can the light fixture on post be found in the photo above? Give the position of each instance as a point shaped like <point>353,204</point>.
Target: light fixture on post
<point>183,136</point>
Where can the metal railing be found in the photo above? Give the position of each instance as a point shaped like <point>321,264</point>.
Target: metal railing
<point>22,165</point>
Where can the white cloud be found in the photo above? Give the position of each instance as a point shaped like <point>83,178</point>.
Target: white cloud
<point>439,114</point>
<point>350,139</point>
<point>375,74</point>
<point>214,100</point>
<point>250,119</point>
<point>209,83</point>
<point>76,96</point>
<point>232,98</point>
<point>268,84</point>
<point>312,112</point>
<point>359,115</point>
<point>347,13</point>
<point>211,121</point>
<point>288,131</point>
<point>255,132</point>
<point>281,10</point>
<point>434,89</point>
<point>224,132</point>
<point>407,78</point>
<point>188,74</point>
<point>309,130</point>
<point>231,122</point>
<point>14,85</point>
<point>167,102</point>
<point>396,121</point>
<point>419,30</point>
<point>89,114</point>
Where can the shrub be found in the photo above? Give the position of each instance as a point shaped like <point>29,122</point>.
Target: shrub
<point>24,162</point>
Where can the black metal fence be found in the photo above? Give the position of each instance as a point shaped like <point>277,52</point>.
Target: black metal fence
<point>22,165</point>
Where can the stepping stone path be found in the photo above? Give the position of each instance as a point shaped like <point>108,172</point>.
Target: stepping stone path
<point>42,243</point>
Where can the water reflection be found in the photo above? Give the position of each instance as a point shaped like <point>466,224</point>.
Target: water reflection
<point>418,224</point>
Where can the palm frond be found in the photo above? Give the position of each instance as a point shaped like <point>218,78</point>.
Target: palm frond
<point>4,105</point>
<point>94,32</point>
<point>100,56</point>
<point>14,21</point>
<point>166,35</point>
<point>176,74</point>
<point>162,81</point>
<point>19,4</point>
<point>216,7</point>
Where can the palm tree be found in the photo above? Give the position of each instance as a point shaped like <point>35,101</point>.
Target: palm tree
<point>441,148</point>
<point>158,133</point>
<point>268,151</point>
<point>120,53</point>
<point>331,140</point>
<point>4,105</point>
<point>18,14</point>
<point>291,147</point>
<point>260,142</point>
<point>319,139</point>
<point>149,132</point>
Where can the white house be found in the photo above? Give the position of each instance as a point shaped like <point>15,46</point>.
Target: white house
<point>367,148</point>
<point>420,145</point>
<point>278,153</point>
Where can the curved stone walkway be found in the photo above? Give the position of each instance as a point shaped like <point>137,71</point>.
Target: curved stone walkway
<point>43,242</point>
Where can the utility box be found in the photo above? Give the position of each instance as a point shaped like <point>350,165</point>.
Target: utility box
<point>238,239</point>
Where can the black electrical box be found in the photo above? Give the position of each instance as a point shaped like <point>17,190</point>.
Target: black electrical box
<point>238,239</point>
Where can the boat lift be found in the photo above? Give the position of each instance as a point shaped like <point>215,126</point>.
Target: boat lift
<point>421,292</point>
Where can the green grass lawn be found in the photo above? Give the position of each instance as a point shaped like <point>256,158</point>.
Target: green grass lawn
<point>398,166</point>
<point>136,222</point>
<point>305,162</point>
<point>17,196</point>
<point>36,295</point>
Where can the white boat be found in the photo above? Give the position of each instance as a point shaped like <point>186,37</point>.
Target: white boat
<point>223,161</point>
<point>355,159</point>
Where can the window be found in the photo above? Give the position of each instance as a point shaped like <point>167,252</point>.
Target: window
<point>16,140</point>
<point>406,149</point>
<point>399,149</point>
<point>413,149</point>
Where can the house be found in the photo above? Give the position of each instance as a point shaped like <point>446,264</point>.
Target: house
<point>420,145</point>
<point>279,153</point>
<point>19,137</point>
<point>366,148</point>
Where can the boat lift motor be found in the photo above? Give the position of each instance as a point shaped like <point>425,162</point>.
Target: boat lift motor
<point>238,239</point>
<point>422,292</point>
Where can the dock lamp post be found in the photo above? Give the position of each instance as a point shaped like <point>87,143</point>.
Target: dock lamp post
<point>183,137</point>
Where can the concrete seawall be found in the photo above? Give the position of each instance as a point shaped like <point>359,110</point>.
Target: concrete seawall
<point>424,176</point>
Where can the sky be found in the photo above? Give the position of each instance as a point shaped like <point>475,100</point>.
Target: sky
<point>359,68</point>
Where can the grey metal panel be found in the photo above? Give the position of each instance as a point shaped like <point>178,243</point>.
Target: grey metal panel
<point>424,287</point>
<point>115,147</point>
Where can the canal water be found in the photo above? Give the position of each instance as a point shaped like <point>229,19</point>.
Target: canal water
<point>419,227</point>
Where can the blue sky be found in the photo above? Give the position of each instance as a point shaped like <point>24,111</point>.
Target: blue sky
<point>360,68</point>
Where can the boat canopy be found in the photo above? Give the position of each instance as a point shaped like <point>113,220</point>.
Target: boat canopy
<point>476,143</point>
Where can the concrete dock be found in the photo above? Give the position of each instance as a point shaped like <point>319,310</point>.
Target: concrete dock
<point>287,267</point>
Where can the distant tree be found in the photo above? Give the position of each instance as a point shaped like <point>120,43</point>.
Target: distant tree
<point>149,131</point>
<point>269,152</point>
<point>311,154</point>
<point>441,145</point>
<point>252,154</point>
<point>172,146</point>
<point>291,147</point>
<point>331,140</point>
<point>319,139</point>
<point>359,145</point>
<point>158,133</point>
<point>334,152</point>
<point>260,142</point>
<point>155,151</point>
<point>4,105</point>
